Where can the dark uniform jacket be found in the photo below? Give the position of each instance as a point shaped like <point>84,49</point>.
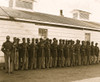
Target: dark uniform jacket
<point>47,50</point>
<point>66,51</point>
<point>7,48</point>
<point>96,51</point>
<point>41,52</point>
<point>88,50</point>
<point>77,49</point>
<point>33,50</point>
<point>24,50</point>
<point>92,50</point>
<point>83,50</point>
<point>54,50</point>
<point>72,50</point>
<point>60,50</point>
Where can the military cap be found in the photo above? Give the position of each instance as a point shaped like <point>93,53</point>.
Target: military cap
<point>28,38</point>
<point>36,39</point>
<point>77,40</point>
<point>88,42</point>
<point>83,41</point>
<point>96,43</point>
<point>17,39</point>
<point>14,38</point>
<point>32,38</point>
<point>8,37</point>
<point>60,40</point>
<point>47,39</point>
<point>23,38</point>
<point>92,42</point>
<point>41,39</point>
<point>66,40</point>
<point>54,38</point>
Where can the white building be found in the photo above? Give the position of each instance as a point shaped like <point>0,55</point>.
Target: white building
<point>19,20</point>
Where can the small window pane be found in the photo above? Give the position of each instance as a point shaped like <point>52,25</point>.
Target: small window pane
<point>87,36</point>
<point>43,32</point>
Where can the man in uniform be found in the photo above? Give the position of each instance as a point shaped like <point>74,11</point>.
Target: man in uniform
<point>16,54</point>
<point>88,52</point>
<point>41,54</point>
<point>50,64</point>
<point>24,54</point>
<point>37,45</point>
<point>28,48</point>
<point>66,53</point>
<point>77,52</point>
<point>92,53</point>
<point>72,53</point>
<point>33,55</point>
<point>83,53</point>
<point>54,52</point>
<point>14,51</point>
<point>7,50</point>
<point>47,53</point>
<point>97,52</point>
<point>61,58</point>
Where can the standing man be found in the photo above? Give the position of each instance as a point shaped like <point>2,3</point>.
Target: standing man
<point>41,54</point>
<point>16,54</point>
<point>14,51</point>
<point>66,53</point>
<point>72,52</point>
<point>37,45</point>
<point>47,53</point>
<point>97,52</point>
<point>7,50</point>
<point>83,53</point>
<point>50,64</point>
<point>92,53</point>
<point>61,54</point>
<point>33,55</point>
<point>88,52</point>
<point>77,52</point>
<point>24,54</point>
<point>28,49</point>
<point>54,52</point>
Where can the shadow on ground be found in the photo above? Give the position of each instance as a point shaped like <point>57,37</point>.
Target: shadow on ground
<point>67,74</point>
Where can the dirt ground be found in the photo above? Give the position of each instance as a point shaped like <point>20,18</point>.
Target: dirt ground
<point>67,74</point>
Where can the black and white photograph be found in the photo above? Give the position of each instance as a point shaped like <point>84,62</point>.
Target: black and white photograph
<point>49,40</point>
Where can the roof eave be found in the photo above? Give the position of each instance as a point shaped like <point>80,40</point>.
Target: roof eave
<point>50,23</point>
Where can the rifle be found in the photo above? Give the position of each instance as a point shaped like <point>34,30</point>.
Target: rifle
<point>9,64</point>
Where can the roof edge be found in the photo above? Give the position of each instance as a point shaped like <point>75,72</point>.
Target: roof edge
<point>49,23</point>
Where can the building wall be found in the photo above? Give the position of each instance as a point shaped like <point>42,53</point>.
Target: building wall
<point>74,34</point>
<point>30,30</point>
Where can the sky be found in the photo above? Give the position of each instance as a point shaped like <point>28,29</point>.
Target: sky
<point>54,7</point>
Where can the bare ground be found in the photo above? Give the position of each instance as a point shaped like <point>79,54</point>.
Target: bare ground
<point>67,74</point>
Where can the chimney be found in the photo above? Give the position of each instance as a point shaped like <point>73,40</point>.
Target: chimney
<point>80,14</point>
<point>61,13</point>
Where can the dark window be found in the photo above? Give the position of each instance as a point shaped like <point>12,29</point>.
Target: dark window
<point>24,4</point>
<point>75,15</point>
<point>43,33</point>
<point>84,16</point>
<point>87,36</point>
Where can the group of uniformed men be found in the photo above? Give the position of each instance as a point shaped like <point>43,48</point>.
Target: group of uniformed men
<point>47,53</point>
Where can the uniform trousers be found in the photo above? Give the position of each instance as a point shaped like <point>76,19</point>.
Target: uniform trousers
<point>8,61</point>
<point>54,61</point>
<point>33,63</point>
<point>16,60</point>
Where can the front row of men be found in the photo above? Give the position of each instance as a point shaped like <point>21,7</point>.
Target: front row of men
<point>47,54</point>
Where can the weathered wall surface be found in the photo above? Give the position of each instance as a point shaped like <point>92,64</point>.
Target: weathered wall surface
<point>30,30</point>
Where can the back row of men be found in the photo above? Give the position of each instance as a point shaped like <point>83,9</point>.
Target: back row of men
<point>47,53</point>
